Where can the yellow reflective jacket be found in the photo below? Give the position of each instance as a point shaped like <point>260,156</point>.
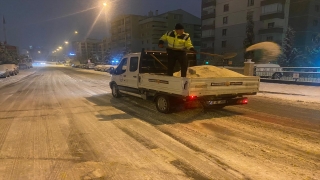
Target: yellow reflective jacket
<point>175,41</point>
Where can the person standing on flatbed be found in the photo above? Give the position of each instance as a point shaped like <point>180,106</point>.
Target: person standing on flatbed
<point>178,42</point>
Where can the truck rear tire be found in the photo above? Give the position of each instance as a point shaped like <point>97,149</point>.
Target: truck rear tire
<point>163,104</point>
<point>115,91</point>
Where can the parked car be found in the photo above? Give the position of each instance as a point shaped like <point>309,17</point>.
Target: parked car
<point>26,65</point>
<point>90,66</point>
<point>4,72</point>
<point>98,67</point>
<point>13,69</point>
<point>273,71</point>
<point>107,68</point>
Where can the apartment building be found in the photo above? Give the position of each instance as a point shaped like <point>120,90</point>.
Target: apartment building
<point>125,34</point>
<point>274,19</point>
<point>87,49</point>
<point>304,18</point>
<point>155,25</point>
<point>224,23</point>
<point>231,23</point>
<point>131,33</point>
<point>105,48</point>
<point>208,26</point>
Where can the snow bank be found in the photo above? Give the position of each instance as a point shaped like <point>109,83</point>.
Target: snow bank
<point>270,50</point>
<point>290,92</point>
<point>207,71</point>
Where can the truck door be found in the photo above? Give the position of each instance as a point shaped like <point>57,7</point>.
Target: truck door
<point>132,72</point>
<point>120,73</point>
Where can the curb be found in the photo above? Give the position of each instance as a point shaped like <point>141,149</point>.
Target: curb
<point>290,82</point>
<point>270,92</point>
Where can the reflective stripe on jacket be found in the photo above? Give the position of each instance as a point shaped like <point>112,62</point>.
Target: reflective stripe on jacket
<point>175,41</point>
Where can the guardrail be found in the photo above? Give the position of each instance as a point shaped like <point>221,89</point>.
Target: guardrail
<point>298,74</point>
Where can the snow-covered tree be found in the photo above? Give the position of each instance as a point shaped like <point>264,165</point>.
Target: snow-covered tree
<point>7,57</point>
<point>249,40</point>
<point>290,56</point>
<point>313,52</point>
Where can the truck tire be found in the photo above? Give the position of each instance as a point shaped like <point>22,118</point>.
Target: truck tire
<point>115,91</point>
<point>163,104</point>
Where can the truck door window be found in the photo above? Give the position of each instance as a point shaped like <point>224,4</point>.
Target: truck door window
<point>122,67</point>
<point>133,64</point>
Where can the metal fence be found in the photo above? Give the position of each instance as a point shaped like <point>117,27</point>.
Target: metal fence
<point>299,74</point>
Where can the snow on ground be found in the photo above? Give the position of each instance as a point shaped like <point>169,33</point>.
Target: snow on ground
<point>290,92</point>
<point>87,70</point>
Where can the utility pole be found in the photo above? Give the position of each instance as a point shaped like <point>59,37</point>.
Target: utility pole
<point>4,30</point>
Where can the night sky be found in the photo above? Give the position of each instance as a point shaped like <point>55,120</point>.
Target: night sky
<point>46,23</point>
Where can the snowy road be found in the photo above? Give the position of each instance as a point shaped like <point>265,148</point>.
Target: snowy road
<point>62,123</point>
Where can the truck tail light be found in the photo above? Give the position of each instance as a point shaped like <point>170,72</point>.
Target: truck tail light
<point>243,101</point>
<point>191,98</point>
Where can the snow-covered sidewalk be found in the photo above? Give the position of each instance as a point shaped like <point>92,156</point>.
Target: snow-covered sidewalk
<point>13,79</point>
<point>290,92</point>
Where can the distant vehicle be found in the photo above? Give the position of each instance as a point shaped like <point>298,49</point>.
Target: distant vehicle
<point>98,67</point>
<point>13,69</point>
<point>107,68</point>
<point>273,71</point>
<point>90,66</point>
<point>39,63</point>
<point>25,65</point>
<point>4,72</point>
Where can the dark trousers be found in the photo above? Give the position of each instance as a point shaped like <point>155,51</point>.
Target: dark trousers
<point>173,56</point>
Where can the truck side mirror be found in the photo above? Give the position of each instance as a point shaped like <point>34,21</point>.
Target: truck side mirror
<point>111,70</point>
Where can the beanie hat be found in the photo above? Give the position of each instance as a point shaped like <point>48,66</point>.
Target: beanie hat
<point>179,26</point>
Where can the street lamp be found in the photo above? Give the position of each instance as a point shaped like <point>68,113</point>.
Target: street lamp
<point>60,47</point>
<point>76,32</point>
<point>39,52</point>
<point>104,4</point>
<point>66,42</point>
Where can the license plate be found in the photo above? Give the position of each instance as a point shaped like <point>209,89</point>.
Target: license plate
<point>217,102</point>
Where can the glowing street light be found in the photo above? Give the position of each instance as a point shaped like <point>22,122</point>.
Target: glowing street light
<point>76,32</point>
<point>39,52</point>
<point>60,47</point>
<point>104,4</point>
<point>66,42</point>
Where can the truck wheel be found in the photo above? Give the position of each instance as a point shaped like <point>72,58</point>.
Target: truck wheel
<point>115,91</point>
<point>163,104</point>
